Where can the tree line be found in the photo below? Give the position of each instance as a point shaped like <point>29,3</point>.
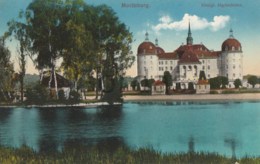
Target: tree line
<point>88,39</point>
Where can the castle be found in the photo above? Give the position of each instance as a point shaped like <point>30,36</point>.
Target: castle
<point>186,62</point>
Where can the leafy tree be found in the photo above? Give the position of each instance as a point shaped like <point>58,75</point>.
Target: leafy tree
<point>150,82</point>
<point>114,43</point>
<point>252,80</point>
<point>134,84</point>
<point>237,83</point>
<point>6,73</point>
<point>167,79</point>
<point>190,86</point>
<point>45,31</point>
<point>145,83</point>
<point>19,30</point>
<point>37,94</point>
<point>76,58</point>
<point>217,82</point>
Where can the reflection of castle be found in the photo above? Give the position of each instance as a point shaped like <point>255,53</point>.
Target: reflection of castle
<point>188,60</point>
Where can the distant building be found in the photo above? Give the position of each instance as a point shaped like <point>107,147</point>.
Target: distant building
<point>203,85</point>
<point>158,88</point>
<point>188,60</point>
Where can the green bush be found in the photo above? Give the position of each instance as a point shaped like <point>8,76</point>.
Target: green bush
<point>61,95</point>
<point>74,97</point>
<point>37,94</point>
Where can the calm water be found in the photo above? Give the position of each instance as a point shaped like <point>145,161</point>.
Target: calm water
<point>228,128</point>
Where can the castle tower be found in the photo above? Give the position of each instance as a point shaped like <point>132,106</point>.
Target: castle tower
<point>232,59</point>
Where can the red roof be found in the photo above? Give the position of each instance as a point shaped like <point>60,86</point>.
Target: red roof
<point>229,43</point>
<point>146,48</point>
<point>189,57</point>
<point>203,82</point>
<point>158,82</point>
<point>159,50</point>
<point>168,55</point>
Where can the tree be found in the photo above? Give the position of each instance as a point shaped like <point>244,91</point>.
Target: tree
<point>145,83</point>
<point>134,84</point>
<point>19,30</point>
<point>252,80</point>
<point>167,79</point>
<point>6,73</point>
<point>237,83</point>
<point>45,31</point>
<point>76,58</point>
<point>150,83</point>
<point>217,82</point>
<point>190,86</point>
<point>114,46</point>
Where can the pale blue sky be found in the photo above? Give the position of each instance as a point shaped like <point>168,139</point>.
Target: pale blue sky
<point>167,21</point>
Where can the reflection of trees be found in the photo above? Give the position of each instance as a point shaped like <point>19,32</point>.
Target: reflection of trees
<point>232,143</point>
<point>4,116</point>
<point>191,145</point>
<point>109,112</point>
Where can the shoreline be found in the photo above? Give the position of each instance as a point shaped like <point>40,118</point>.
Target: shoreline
<point>195,97</point>
<point>138,98</point>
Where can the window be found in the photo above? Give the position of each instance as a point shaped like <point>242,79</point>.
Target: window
<point>234,75</point>
<point>203,67</point>
<point>208,75</point>
<point>166,68</point>
<point>151,57</point>
<point>171,62</point>
<point>234,67</point>
<point>166,62</point>
<point>171,68</point>
<point>208,67</point>
<point>203,61</point>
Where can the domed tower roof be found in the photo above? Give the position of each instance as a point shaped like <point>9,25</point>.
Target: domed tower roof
<point>231,44</point>
<point>146,47</point>
<point>159,50</point>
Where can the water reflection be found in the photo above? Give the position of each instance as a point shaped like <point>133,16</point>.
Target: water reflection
<point>232,143</point>
<point>191,145</point>
<point>165,126</point>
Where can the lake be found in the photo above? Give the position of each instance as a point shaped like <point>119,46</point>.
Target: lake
<point>227,128</point>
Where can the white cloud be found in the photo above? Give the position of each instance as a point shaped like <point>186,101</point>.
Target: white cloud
<point>197,23</point>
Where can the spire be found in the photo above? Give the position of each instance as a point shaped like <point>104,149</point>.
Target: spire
<point>156,42</point>
<point>231,33</point>
<point>189,38</point>
<point>146,36</point>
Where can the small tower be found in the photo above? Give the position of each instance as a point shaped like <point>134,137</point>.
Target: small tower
<point>231,33</point>
<point>156,42</point>
<point>146,36</point>
<point>189,38</point>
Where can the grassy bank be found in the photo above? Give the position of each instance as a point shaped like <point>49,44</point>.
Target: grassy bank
<point>123,155</point>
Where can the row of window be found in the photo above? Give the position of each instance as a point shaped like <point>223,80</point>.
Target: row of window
<point>165,62</point>
<point>166,68</point>
<point>234,66</point>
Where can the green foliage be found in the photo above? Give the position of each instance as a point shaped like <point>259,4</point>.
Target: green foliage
<point>167,79</point>
<point>134,84</point>
<point>217,82</point>
<point>37,94</point>
<point>74,97</point>
<point>6,73</point>
<point>178,86</point>
<point>237,83</point>
<point>253,80</point>
<point>150,82</point>
<point>145,83</point>
<point>120,154</point>
<point>190,86</point>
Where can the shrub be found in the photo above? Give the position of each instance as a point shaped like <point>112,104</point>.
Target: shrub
<point>61,95</point>
<point>74,97</point>
<point>37,94</point>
